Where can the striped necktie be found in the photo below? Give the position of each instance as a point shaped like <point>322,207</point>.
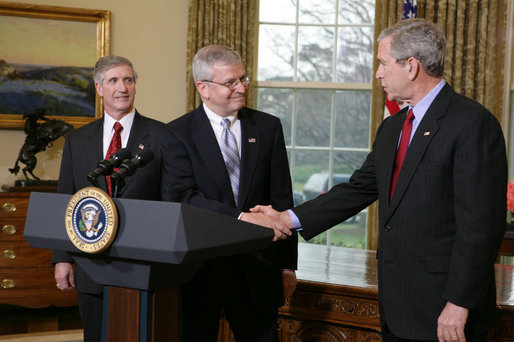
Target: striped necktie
<point>230,155</point>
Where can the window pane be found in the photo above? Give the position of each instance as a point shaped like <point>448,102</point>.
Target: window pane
<point>355,54</point>
<point>356,12</point>
<point>345,163</point>
<point>317,12</point>
<point>276,53</point>
<point>281,11</point>
<point>353,119</point>
<point>310,173</point>
<point>313,118</point>
<point>315,56</point>
<point>278,102</point>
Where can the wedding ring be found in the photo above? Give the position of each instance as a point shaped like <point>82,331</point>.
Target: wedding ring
<point>57,285</point>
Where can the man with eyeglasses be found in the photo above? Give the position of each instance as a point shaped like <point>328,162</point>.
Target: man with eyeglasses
<point>227,158</point>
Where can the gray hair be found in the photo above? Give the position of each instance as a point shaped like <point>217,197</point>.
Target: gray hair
<point>210,55</point>
<point>420,39</point>
<point>106,63</point>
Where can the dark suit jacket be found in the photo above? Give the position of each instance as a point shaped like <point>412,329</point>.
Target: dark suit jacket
<point>439,235</point>
<point>83,149</point>
<point>195,174</point>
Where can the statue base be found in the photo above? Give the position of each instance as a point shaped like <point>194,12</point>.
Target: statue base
<point>23,185</point>
<point>35,182</point>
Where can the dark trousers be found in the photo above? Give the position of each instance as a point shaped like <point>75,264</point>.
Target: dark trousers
<point>90,310</point>
<point>225,288</point>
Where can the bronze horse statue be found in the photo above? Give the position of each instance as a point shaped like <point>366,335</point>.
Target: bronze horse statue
<point>39,137</point>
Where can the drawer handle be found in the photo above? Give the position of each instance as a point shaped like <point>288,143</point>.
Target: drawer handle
<point>9,254</point>
<point>8,284</point>
<point>8,229</point>
<point>9,207</point>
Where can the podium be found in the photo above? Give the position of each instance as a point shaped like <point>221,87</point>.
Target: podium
<point>158,245</point>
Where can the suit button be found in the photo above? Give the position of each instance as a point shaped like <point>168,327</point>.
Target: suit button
<point>387,228</point>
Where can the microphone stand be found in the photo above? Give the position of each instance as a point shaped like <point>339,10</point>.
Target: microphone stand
<point>119,184</point>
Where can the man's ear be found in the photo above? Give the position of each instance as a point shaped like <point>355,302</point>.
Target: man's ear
<point>99,89</point>
<point>413,67</point>
<point>203,90</point>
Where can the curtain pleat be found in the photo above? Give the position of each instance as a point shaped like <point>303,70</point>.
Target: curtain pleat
<point>224,22</point>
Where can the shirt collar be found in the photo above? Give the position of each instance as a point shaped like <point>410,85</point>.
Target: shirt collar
<point>215,118</point>
<point>422,106</point>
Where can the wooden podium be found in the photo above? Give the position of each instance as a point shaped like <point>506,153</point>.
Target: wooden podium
<point>158,245</point>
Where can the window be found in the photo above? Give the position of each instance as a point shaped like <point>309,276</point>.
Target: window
<point>314,72</point>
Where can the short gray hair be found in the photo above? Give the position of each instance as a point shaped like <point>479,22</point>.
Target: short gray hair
<point>420,39</point>
<point>210,55</point>
<point>108,62</point>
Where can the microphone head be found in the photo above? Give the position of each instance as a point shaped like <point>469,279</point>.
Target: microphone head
<point>120,155</point>
<point>144,156</point>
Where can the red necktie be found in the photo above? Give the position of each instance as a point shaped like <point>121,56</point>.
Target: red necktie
<point>114,147</point>
<point>402,149</point>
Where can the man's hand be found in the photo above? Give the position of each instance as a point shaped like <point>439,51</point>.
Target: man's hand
<point>451,322</point>
<point>282,217</point>
<point>262,220</point>
<point>289,281</point>
<point>64,276</point>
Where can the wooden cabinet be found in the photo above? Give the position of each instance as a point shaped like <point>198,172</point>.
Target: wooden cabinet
<point>28,294</point>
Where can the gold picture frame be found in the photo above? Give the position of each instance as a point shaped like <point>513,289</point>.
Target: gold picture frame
<point>60,21</point>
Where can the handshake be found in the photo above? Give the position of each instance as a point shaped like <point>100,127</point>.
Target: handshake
<point>266,216</point>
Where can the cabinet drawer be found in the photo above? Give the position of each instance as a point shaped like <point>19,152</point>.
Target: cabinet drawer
<point>33,288</point>
<point>13,207</point>
<point>21,254</point>
<point>12,230</point>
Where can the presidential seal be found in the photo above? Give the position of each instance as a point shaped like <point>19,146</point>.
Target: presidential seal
<point>91,220</point>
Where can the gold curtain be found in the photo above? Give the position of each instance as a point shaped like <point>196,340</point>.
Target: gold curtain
<point>224,22</point>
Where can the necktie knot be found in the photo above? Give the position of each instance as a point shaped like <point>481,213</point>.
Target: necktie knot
<point>410,116</point>
<point>117,127</point>
<point>226,123</point>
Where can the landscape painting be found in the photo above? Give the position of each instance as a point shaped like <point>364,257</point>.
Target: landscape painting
<point>47,63</point>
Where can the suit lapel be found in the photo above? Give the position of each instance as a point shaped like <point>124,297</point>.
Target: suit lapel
<point>424,134</point>
<point>250,140</point>
<point>94,152</point>
<point>209,150</point>
<point>139,138</point>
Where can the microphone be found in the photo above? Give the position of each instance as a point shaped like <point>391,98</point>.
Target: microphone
<point>129,166</point>
<point>106,166</point>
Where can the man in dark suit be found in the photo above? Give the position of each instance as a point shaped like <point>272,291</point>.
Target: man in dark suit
<point>203,169</point>
<point>442,213</point>
<point>115,82</point>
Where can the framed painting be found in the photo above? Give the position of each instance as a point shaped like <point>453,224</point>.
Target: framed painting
<point>47,56</point>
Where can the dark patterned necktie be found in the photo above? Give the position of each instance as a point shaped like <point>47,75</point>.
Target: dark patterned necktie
<point>114,147</point>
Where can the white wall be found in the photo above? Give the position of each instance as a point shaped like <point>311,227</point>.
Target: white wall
<point>152,34</point>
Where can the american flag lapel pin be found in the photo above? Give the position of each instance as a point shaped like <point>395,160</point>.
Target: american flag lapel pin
<point>427,133</point>
<point>251,140</point>
<point>141,146</point>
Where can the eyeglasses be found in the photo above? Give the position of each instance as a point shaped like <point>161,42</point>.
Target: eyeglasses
<point>232,85</point>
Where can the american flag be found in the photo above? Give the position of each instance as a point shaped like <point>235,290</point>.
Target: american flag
<point>410,11</point>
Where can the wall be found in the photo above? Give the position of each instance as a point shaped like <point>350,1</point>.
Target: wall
<point>152,34</point>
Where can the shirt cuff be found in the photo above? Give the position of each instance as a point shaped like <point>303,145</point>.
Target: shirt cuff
<point>296,222</point>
